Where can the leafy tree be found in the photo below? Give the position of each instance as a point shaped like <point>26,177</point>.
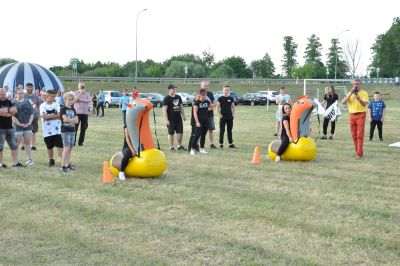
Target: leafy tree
<point>289,57</point>
<point>263,68</point>
<point>313,50</point>
<point>310,70</point>
<point>238,64</point>
<point>335,53</point>
<point>5,61</point>
<point>222,71</point>
<point>177,70</point>
<point>208,60</point>
<point>386,52</point>
<point>189,58</point>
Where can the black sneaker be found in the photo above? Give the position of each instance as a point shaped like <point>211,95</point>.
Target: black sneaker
<point>80,144</point>
<point>52,162</point>
<point>221,145</point>
<point>232,146</point>
<point>18,165</point>
<point>22,147</point>
<point>324,137</point>
<point>33,148</point>
<point>3,166</point>
<point>212,146</point>
<point>64,169</point>
<point>181,148</point>
<point>331,137</point>
<point>276,134</point>
<point>172,149</point>
<point>70,167</point>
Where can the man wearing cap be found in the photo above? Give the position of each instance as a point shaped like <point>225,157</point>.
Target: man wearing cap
<point>211,123</point>
<point>174,112</point>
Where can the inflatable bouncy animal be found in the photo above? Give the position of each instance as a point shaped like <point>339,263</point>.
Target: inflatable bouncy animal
<point>150,162</point>
<point>303,148</point>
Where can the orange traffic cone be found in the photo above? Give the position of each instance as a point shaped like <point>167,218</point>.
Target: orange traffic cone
<point>107,177</point>
<point>256,156</point>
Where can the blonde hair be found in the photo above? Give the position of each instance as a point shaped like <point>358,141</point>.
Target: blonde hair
<point>68,95</point>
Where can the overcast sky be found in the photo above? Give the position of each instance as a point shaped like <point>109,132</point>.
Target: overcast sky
<point>51,32</point>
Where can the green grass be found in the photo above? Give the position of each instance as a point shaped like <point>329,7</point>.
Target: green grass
<point>213,209</point>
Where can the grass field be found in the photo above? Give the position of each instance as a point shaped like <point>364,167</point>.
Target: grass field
<point>212,209</point>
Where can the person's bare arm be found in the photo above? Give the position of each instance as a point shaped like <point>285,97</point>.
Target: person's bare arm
<point>196,118</point>
<point>219,109</point>
<point>165,114</point>
<point>183,112</point>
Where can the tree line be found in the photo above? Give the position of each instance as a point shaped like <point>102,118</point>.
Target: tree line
<point>342,62</point>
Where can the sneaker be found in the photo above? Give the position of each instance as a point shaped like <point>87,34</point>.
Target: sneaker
<point>203,151</point>
<point>29,162</point>
<point>52,162</point>
<point>331,137</point>
<point>33,148</point>
<point>18,165</point>
<point>370,139</point>
<point>278,158</point>
<point>172,148</point>
<point>181,148</point>
<point>121,176</point>
<point>276,134</point>
<point>23,148</point>
<point>221,146</point>
<point>80,144</point>
<point>3,166</point>
<point>232,146</point>
<point>212,146</point>
<point>192,152</point>
<point>70,167</point>
<point>64,169</point>
<point>324,137</point>
<point>380,139</point>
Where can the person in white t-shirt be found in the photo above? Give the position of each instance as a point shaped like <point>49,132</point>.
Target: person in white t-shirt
<point>51,125</point>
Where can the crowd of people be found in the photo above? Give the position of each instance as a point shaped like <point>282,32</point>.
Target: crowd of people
<point>62,116</point>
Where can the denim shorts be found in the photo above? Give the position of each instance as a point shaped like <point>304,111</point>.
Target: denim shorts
<point>9,136</point>
<point>23,132</point>
<point>68,139</point>
<point>211,123</point>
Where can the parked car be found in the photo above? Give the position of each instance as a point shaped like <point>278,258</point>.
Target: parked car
<point>152,97</point>
<point>271,95</point>
<point>253,99</point>
<point>112,98</point>
<point>233,94</point>
<point>187,99</point>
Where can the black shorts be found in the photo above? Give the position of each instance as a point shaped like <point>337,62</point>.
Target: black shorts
<point>53,141</point>
<point>175,127</point>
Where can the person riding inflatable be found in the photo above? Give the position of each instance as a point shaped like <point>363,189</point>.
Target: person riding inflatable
<point>303,148</point>
<point>149,161</point>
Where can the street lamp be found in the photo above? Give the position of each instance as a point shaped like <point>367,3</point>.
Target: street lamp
<point>337,40</point>
<point>137,17</point>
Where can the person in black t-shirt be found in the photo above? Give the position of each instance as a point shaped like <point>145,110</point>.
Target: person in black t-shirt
<point>128,153</point>
<point>174,112</point>
<point>330,98</point>
<point>193,126</point>
<point>226,110</point>
<point>200,114</point>
<point>7,133</point>
<point>211,123</point>
<point>286,137</point>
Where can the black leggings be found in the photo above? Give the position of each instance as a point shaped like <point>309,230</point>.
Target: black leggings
<point>127,157</point>
<point>284,145</point>
<point>201,133</point>
<point>100,105</point>
<point>325,126</point>
<point>229,126</point>
<point>192,136</point>
<point>372,129</point>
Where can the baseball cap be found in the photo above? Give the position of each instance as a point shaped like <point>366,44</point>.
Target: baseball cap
<point>171,86</point>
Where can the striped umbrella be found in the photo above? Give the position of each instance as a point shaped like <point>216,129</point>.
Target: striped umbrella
<point>14,74</point>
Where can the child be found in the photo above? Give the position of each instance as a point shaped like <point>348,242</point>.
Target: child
<point>51,125</point>
<point>128,151</point>
<point>123,101</point>
<point>286,137</point>
<point>69,120</point>
<point>376,113</point>
<point>200,114</point>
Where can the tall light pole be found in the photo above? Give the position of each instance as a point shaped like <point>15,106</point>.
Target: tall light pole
<point>137,17</point>
<point>337,42</point>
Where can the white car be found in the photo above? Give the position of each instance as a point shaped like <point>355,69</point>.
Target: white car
<point>112,98</point>
<point>187,99</point>
<point>271,95</point>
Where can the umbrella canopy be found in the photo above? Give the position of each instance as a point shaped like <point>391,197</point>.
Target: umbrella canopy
<point>14,74</point>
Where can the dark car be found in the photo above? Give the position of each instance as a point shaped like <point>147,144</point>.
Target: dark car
<point>153,98</point>
<point>253,99</point>
<point>233,94</point>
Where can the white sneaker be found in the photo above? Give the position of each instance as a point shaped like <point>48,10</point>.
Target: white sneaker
<point>29,162</point>
<point>122,176</point>
<point>203,151</point>
<point>278,158</point>
<point>192,152</point>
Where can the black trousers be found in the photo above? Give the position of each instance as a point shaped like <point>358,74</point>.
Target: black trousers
<point>100,105</point>
<point>126,158</point>
<point>83,121</point>
<point>229,125</point>
<point>372,129</point>
<point>284,144</point>
<point>201,133</point>
<point>325,126</point>
<point>191,139</point>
